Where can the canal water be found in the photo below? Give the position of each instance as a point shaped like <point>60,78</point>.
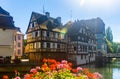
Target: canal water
<point>109,71</point>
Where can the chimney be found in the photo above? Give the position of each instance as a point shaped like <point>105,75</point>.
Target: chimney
<point>47,14</point>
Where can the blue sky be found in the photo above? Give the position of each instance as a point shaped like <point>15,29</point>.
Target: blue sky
<point>107,10</point>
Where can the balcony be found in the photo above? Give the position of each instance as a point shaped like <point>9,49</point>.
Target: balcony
<point>32,50</point>
<point>58,50</point>
<point>34,39</point>
<point>31,40</point>
<point>49,38</point>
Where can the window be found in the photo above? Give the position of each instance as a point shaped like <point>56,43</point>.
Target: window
<point>48,34</point>
<point>19,45</point>
<point>83,31</point>
<point>99,47</point>
<point>36,33</point>
<point>51,34</point>
<point>55,45</point>
<point>19,51</point>
<point>31,45</point>
<point>75,48</point>
<point>39,45</point>
<point>44,45</point>
<point>56,35</point>
<point>85,56</point>
<point>62,36</point>
<point>15,38</point>
<point>32,24</point>
<point>39,33</point>
<point>19,37</point>
<point>51,45</point>
<point>80,30</point>
<point>44,33</point>
<point>48,45</point>
<point>82,38</point>
<point>58,45</point>
<point>35,46</point>
<point>81,56</point>
<point>35,24</point>
<point>33,34</point>
<point>78,37</point>
<point>99,41</point>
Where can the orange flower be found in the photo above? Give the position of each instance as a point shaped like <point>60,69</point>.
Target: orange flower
<point>5,77</point>
<point>90,75</point>
<point>52,61</point>
<point>86,70</point>
<point>74,70</point>
<point>70,64</point>
<point>28,76</point>
<point>52,67</point>
<point>44,60</point>
<point>44,67</point>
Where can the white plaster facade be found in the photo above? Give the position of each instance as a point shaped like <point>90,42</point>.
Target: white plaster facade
<point>6,42</point>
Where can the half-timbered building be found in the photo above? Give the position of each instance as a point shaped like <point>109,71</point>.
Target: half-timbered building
<point>81,44</point>
<point>45,38</point>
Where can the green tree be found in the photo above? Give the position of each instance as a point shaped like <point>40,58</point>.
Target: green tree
<point>109,40</point>
<point>25,42</point>
<point>116,47</point>
<point>109,34</point>
<point>109,46</point>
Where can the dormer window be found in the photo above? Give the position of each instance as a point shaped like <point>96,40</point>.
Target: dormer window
<point>80,30</point>
<point>83,31</point>
<point>31,25</point>
<point>44,33</point>
<point>35,24</point>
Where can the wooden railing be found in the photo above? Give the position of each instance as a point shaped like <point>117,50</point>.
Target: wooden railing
<point>46,50</point>
<point>47,39</point>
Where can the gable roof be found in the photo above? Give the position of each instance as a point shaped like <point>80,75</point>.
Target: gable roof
<point>2,11</point>
<point>75,28</point>
<point>96,24</point>
<point>6,21</point>
<point>43,19</point>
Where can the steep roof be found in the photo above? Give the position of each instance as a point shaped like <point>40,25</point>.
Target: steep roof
<point>44,19</point>
<point>6,21</point>
<point>2,11</point>
<point>96,24</point>
<point>75,27</point>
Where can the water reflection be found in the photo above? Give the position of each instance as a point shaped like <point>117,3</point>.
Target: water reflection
<point>116,73</point>
<point>109,71</point>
